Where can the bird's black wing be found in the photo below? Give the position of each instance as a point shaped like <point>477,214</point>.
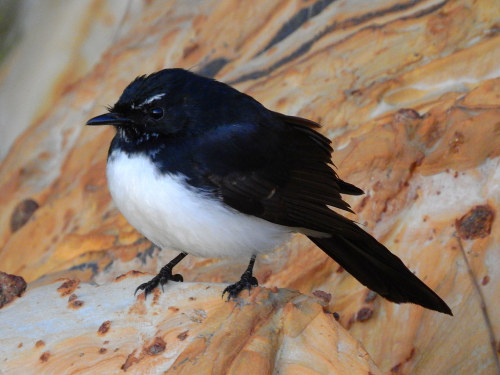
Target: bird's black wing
<point>281,171</point>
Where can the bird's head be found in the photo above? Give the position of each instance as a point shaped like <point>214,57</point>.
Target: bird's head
<point>155,104</point>
<point>176,101</point>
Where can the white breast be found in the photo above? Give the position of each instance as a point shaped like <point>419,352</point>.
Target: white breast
<point>170,213</point>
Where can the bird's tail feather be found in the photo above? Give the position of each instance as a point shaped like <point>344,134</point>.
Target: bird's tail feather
<point>372,264</point>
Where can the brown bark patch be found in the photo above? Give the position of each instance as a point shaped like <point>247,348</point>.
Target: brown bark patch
<point>476,223</point>
<point>11,287</point>
<point>22,213</point>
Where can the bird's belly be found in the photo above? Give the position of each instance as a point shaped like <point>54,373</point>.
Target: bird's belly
<point>170,213</point>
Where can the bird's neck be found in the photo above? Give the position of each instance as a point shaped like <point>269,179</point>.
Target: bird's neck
<point>131,141</point>
<point>134,136</point>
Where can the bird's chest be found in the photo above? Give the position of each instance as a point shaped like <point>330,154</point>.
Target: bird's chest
<point>170,213</point>
<point>154,203</point>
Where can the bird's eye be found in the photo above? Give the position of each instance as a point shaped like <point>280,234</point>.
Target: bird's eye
<point>156,113</point>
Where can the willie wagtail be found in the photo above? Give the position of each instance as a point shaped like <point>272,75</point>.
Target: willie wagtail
<point>202,168</point>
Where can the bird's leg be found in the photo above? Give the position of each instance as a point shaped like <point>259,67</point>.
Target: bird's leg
<point>163,276</point>
<point>247,281</point>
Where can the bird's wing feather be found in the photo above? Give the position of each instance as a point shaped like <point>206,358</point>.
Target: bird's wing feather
<point>280,171</point>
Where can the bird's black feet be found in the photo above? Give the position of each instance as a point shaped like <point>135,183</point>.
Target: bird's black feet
<point>247,281</point>
<point>163,277</point>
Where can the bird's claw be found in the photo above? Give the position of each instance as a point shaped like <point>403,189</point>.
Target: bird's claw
<point>246,282</point>
<point>160,279</point>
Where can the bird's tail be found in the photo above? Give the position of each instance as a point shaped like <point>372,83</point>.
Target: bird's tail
<point>372,264</point>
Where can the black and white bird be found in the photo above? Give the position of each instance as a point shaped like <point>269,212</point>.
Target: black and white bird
<point>204,169</point>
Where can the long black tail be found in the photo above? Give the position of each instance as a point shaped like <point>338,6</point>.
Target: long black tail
<point>377,268</point>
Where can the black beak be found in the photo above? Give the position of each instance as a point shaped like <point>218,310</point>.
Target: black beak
<point>108,119</point>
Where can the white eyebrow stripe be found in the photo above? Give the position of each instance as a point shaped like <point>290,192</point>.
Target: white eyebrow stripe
<point>149,100</point>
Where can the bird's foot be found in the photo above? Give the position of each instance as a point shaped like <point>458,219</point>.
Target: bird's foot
<point>162,278</point>
<point>247,281</point>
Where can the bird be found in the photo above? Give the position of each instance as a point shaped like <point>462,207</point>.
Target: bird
<point>202,168</point>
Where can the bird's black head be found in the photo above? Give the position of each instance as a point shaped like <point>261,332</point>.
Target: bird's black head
<point>172,101</point>
<point>151,104</point>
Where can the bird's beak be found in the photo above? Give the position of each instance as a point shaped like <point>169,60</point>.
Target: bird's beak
<point>108,119</point>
